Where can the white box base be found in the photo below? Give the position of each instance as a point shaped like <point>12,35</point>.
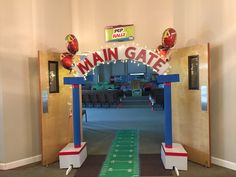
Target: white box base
<point>174,157</point>
<point>70,155</point>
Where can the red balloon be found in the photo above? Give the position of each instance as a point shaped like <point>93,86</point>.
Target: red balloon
<point>67,60</point>
<point>169,38</point>
<point>72,44</point>
<point>162,51</point>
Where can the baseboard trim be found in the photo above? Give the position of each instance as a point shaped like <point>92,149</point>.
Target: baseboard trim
<point>19,163</point>
<point>223,163</point>
<point>1,166</point>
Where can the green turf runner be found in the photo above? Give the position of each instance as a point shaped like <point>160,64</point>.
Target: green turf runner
<point>123,157</point>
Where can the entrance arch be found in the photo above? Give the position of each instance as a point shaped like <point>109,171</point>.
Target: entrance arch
<point>107,55</point>
<point>198,154</point>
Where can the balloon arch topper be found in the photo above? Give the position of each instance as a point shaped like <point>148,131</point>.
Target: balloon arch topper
<point>157,60</point>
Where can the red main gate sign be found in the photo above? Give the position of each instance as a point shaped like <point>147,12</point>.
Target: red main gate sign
<point>137,54</point>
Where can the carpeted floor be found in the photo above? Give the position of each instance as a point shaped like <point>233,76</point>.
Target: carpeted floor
<point>150,165</point>
<point>37,170</point>
<point>91,167</point>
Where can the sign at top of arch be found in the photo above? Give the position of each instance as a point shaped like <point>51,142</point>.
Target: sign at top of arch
<point>135,53</point>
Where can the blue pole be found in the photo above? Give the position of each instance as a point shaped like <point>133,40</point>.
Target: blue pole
<point>76,115</point>
<point>167,115</point>
<point>167,80</point>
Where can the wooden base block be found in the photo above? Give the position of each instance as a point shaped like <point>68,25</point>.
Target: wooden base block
<point>70,155</point>
<point>174,157</point>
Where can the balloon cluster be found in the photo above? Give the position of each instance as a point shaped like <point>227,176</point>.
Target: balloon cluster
<point>168,41</point>
<point>67,57</point>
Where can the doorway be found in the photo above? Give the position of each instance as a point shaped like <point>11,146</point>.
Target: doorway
<point>65,98</point>
<point>131,109</point>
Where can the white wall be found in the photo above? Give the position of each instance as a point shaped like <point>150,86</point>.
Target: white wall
<point>26,26</point>
<point>16,38</point>
<point>150,19</point>
<point>1,120</point>
<point>200,21</point>
<point>52,21</point>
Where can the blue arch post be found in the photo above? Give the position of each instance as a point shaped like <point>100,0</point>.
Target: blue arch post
<point>75,82</point>
<point>167,80</point>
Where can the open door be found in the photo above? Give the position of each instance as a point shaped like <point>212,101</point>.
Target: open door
<point>191,102</point>
<point>55,107</point>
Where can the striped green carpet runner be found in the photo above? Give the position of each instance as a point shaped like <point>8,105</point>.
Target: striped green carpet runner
<point>123,157</point>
